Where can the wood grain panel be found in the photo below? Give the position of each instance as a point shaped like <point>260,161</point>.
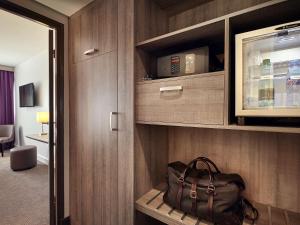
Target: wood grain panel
<point>151,157</point>
<point>150,20</point>
<point>74,39</point>
<point>76,108</point>
<point>227,70</point>
<point>89,30</point>
<point>108,26</point>
<point>200,102</point>
<point>269,162</point>
<point>101,191</point>
<point>95,26</point>
<point>208,11</point>
<point>164,4</point>
<point>93,147</point>
<point>177,6</point>
<point>126,112</point>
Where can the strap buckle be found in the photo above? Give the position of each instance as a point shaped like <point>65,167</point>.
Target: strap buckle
<point>181,180</point>
<point>211,189</point>
<point>193,194</point>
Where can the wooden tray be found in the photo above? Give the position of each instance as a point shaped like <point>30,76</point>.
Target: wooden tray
<point>152,204</point>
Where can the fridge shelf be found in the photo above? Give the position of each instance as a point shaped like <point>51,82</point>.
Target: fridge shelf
<point>273,76</point>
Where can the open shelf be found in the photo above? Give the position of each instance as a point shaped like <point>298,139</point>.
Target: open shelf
<point>152,205</point>
<point>200,32</point>
<point>263,15</point>
<point>211,28</point>
<point>289,130</point>
<point>182,77</point>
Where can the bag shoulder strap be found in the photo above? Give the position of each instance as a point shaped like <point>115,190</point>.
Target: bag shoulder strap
<point>250,212</point>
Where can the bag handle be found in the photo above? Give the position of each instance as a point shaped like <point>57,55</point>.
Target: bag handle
<point>248,205</point>
<point>210,188</point>
<point>210,162</point>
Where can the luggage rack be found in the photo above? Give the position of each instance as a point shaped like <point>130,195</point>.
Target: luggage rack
<point>152,205</point>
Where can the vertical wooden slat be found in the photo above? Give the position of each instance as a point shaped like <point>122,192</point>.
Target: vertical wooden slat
<point>227,71</point>
<point>125,158</point>
<point>269,215</point>
<point>287,219</point>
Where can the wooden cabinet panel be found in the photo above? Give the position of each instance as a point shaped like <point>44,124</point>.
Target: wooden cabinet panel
<point>84,33</point>
<point>201,100</point>
<point>89,29</point>
<point>94,27</point>
<point>74,39</point>
<point>108,26</point>
<point>93,147</point>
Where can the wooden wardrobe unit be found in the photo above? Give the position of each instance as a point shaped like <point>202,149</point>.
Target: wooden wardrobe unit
<point>200,121</point>
<point>101,114</point>
<point>115,178</point>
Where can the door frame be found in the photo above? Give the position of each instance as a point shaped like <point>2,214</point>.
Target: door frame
<point>59,104</point>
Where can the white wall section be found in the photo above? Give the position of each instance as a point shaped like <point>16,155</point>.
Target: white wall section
<point>20,39</point>
<point>34,70</point>
<point>66,7</point>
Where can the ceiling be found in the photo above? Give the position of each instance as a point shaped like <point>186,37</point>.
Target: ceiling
<point>20,39</point>
<point>66,7</point>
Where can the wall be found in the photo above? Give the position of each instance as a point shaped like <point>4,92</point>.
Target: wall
<point>34,70</point>
<point>45,11</point>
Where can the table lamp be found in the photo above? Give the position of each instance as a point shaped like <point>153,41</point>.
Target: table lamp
<point>43,118</point>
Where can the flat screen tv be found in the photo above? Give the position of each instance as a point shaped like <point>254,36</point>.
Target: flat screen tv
<point>27,95</point>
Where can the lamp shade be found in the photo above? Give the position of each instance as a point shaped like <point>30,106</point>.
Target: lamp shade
<point>42,117</point>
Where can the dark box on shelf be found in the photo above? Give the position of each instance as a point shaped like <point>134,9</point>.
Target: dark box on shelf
<point>194,61</point>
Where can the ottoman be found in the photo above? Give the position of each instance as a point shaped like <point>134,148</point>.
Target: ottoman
<point>23,157</point>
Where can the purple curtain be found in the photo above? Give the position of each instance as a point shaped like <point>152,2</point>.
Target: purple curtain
<point>6,97</point>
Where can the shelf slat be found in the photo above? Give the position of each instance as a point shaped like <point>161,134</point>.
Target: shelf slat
<point>152,205</point>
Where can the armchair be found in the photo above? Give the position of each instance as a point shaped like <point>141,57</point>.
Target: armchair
<point>7,136</point>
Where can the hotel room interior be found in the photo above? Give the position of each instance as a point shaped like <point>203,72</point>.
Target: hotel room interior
<point>149,112</point>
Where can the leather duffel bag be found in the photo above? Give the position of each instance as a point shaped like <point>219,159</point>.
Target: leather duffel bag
<point>207,193</point>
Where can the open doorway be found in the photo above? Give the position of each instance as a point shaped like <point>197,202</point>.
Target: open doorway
<point>32,183</point>
<point>24,110</point>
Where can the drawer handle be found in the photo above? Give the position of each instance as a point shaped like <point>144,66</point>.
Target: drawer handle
<point>171,88</point>
<point>115,126</point>
<point>90,51</point>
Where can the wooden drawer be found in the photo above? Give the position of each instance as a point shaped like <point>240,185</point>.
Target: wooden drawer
<point>200,100</point>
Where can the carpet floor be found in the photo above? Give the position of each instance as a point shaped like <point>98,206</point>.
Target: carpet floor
<point>24,195</point>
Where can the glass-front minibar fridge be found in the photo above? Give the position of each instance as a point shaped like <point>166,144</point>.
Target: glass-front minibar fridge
<point>268,72</point>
